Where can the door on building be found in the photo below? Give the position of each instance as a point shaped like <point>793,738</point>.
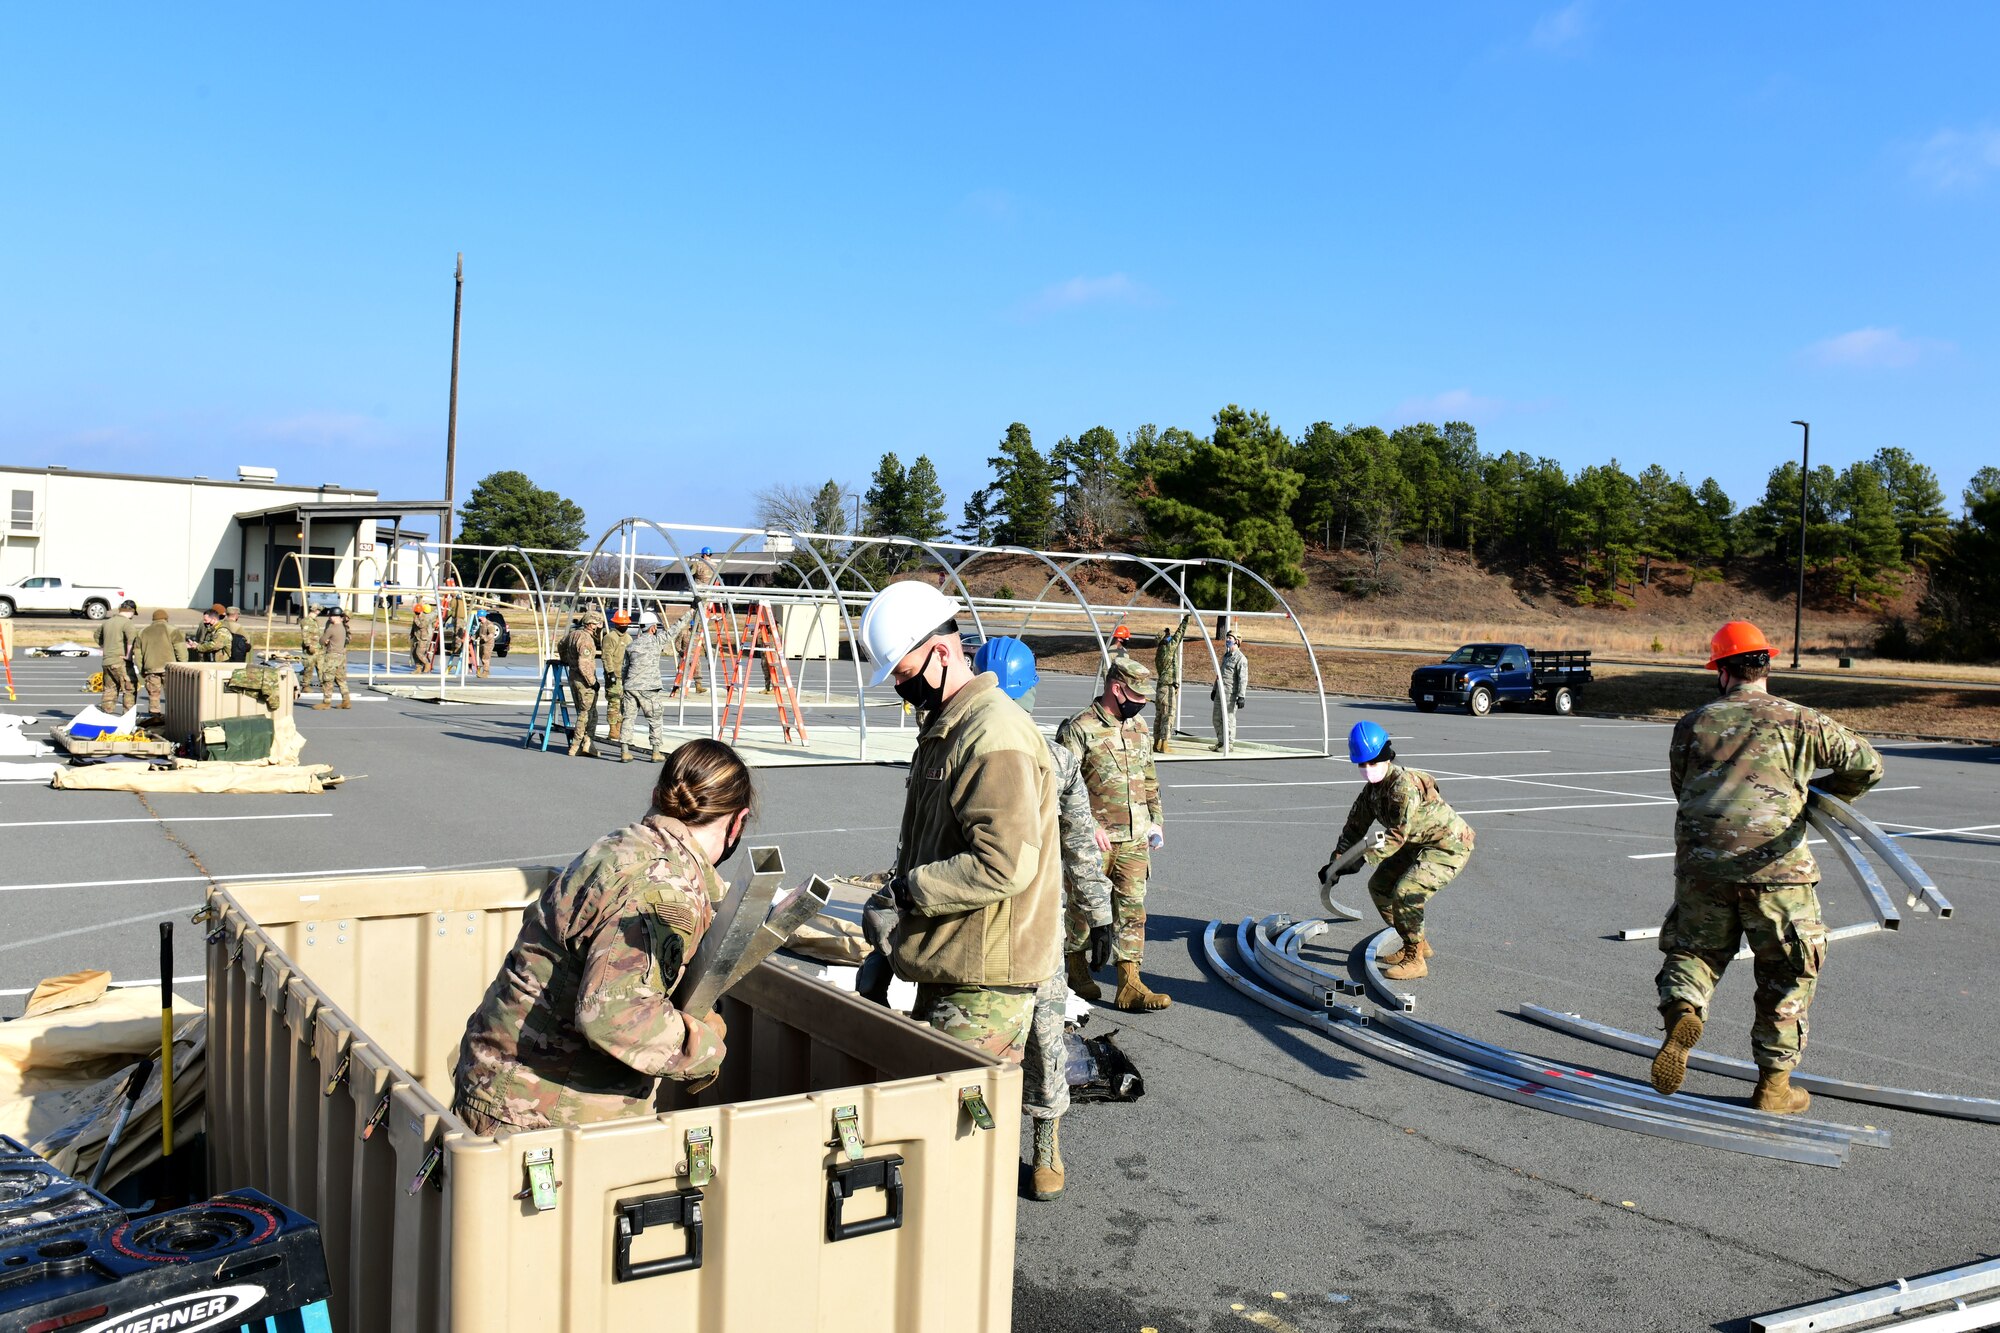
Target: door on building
<point>225,586</point>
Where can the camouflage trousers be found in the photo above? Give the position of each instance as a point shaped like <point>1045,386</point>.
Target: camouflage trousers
<point>1127,865</point>
<point>333,676</point>
<point>1166,712</point>
<point>996,1019</point>
<point>309,669</point>
<point>156,690</point>
<point>583,705</point>
<point>117,687</point>
<point>652,704</point>
<point>614,703</point>
<point>1224,718</point>
<point>1788,947</point>
<point>1044,1067</point>
<point>1402,885</point>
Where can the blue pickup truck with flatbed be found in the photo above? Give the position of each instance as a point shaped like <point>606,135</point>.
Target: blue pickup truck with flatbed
<point>1480,676</point>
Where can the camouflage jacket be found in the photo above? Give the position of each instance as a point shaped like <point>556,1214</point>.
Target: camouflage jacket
<point>1411,812</point>
<point>423,626</point>
<point>1086,889</point>
<point>213,642</point>
<point>333,638</point>
<point>1234,682</point>
<point>645,662</point>
<point>116,636</point>
<point>1167,655</point>
<point>1739,766</point>
<point>580,1025</point>
<point>612,649</point>
<point>1117,760</point>
<point>700,571</point>
<point>580,651</point>
<point>488,633</point>
<point>156,646</point>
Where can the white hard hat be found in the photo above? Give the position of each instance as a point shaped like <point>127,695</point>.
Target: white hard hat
<point>900,617</point>
<point>648,618</point>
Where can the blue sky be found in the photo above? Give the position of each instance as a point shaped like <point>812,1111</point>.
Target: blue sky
<point>708,249</point>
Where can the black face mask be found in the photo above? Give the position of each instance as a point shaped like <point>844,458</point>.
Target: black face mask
<point>1130,708</point>
<point>918,691</point>
<point>729,848</point>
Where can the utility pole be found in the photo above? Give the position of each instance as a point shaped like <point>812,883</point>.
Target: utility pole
<point>1805,484</point>
<point>451,417</point>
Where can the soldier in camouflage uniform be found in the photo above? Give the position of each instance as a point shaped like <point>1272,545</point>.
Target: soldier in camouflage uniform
<point>579,654</point>
<point>688,648</point>
<point>579,1025</point>
<point>423,638</point>
<point>213,644</point>
<point>333,659</point>
<point>485,636</point>
<point>1740,765</point>
<point>611,645</point>
<point>1116,752</point>
<point>1424,845</point>
<point>117,636</point>
<point>645,684</point>
<point>156,647</point>
<point>309,660</point>
<point>1167,688</point>
<point>1230,692</point>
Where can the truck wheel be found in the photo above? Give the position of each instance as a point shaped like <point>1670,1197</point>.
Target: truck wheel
<point>96,608</point>
<point>1427,707</point>
<point>1562,703</point>
<point>6,609</point>
<point>1480,702</point>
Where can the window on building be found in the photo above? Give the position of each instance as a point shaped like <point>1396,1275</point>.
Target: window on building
<point>24,511</point>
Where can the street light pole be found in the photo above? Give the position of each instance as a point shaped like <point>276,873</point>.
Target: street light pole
<point>1805,484</point>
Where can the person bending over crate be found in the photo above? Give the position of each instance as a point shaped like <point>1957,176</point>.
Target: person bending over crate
<point>580,1024</point>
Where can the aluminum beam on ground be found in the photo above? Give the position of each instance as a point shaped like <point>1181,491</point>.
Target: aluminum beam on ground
<point>1854,931</point>
<point>1293,938</point>
<point>1624,1092</point>
<point>1898,860</point>
<point>1300,977</point>
<point>1361,1037</point>
<point>1379,989</point>
<point>1903,1099</point>
<point>1899,1297</point>
<point>1640,933</point>
<point>1844,843</point>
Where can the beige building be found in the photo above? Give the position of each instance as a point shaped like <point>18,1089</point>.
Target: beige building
<point>190,541</point>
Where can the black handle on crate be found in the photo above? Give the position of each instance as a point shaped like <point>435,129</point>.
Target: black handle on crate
<point>679,1208</point>
<point>885,1173</point>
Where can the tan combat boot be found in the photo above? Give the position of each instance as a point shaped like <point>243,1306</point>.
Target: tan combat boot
<point>1412,965</point>
<point>659,758</point>
<point>1670,1066</point>
<point>1133,996</point>
<point>1080,980</point>
<point>624,753</point>
<point>575,742</point>
<point>617,731</point>
<point>321,706</point>
<point>1048,1177</point>
<point>1776,1094</point>
<point>347,701</point>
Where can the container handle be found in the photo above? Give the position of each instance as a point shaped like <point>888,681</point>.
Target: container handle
<point>885,1173</point>
<point>678,1208</point>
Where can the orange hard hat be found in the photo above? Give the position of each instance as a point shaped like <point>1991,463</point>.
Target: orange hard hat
<point>1738,636</point>
<point>417,607</point>
<point>620,618</point>
<point>1122,633</point>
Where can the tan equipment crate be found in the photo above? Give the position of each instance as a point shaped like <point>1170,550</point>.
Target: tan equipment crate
<point>835,1178</point>
<point>196,694</point>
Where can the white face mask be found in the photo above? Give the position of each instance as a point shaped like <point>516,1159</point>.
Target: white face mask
<point>1376,771</point>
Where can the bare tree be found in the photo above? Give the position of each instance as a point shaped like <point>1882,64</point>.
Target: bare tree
<point>791,508</point>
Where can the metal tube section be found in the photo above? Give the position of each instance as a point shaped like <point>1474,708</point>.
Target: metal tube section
<point>1365,1039</point>
<point>1379,989</point>
<point>1899,1297</point>
<point>737,918</point>
<point>1864,874</point>
<point>1933,1103</point>
<point>1301,977</point>
<point>1838,933</point>
<point>1292,940</point>
<point>1885,847</point>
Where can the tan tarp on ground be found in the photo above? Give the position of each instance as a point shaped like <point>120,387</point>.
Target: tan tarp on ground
<point>64,1065</point>
<point>189,776</point>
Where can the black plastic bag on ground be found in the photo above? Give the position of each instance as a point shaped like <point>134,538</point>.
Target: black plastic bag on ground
<point>1099,1071</point>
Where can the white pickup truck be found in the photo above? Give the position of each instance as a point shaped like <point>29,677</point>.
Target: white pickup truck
<point>46,593</point>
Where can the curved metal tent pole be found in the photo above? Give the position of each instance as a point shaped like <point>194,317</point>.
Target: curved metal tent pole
<point>1187,605</point>
<point>862,543</point>
<point>540,603</point>
<point>1319,684</point>
<point>695,601</point>
<point>1082,602</point>
<point>853,637</point>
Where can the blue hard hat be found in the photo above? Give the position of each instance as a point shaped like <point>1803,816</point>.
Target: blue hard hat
<point>708,550</point>
<point>1365,742</point>
<point>1012,661</point>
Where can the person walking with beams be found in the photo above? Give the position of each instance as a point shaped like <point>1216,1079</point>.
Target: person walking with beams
<point>1424,844</point>
<point>1116,752</point>
<point>1740,765</point>
<point>1086,922</point>
<point>977,884</point>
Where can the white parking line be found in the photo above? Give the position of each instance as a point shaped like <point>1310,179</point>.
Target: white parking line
<point>1469,754</point>
<point>123,985</point>
<point>1539,809</point>
<point>163,819</point>
<point>1622,726</point>
<point>205,879</point>
<point>1915,831</point>
<point>101,925</point>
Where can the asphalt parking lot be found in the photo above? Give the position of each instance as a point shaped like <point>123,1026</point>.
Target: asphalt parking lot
<point>1264,1158</point>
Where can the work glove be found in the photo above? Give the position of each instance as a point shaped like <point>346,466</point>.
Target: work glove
<point>703,1052</point>
<point>1156,837</point>
<point>878,920</point>
<point>1097,950</point>
<point>899,892</point>
<point>1328,876</point>
<point>872,981</point>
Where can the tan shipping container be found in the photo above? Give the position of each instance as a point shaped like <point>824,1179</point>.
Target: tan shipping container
<point>195,695</point>
<point>336,1008</point>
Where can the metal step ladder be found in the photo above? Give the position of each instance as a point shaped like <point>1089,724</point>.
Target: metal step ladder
<point>551,697</point>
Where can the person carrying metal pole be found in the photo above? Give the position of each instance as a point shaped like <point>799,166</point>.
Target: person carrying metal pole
<point>1740,765</point>
<point>1167,689</point>
<point>1424,844</point>
<point>1086,922</point>
<point>1228,694</point>
<point>579,1025</point>
<point>977,887</point>
<point>1116,751</point>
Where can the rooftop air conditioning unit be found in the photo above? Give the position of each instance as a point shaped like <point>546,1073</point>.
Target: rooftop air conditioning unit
<point>267,476</point>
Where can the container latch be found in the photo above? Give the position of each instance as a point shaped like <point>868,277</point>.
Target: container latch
<point>700,1157</point>
<point>974,1102</point>
<point>542,1183</point>
<point>847,1131</point>
<point>339,1075</point>
<point>680,1208</point>
<point>376,1117</point>
<point>885,1173</point>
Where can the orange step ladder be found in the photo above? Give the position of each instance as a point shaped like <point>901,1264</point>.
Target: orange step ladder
<point>689,670</point>
<point>758,639</point>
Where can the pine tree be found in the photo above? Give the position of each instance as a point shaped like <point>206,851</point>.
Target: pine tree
<point>976,528</point>
<point>923,501</point>
<point>1024,492</point>
<point>1092,482</point>
<point>1917,502</point>
<point>1230,496</point>
<point>887,498</point>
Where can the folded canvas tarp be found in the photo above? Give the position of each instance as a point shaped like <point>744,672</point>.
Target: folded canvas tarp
<point>189,776</point>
